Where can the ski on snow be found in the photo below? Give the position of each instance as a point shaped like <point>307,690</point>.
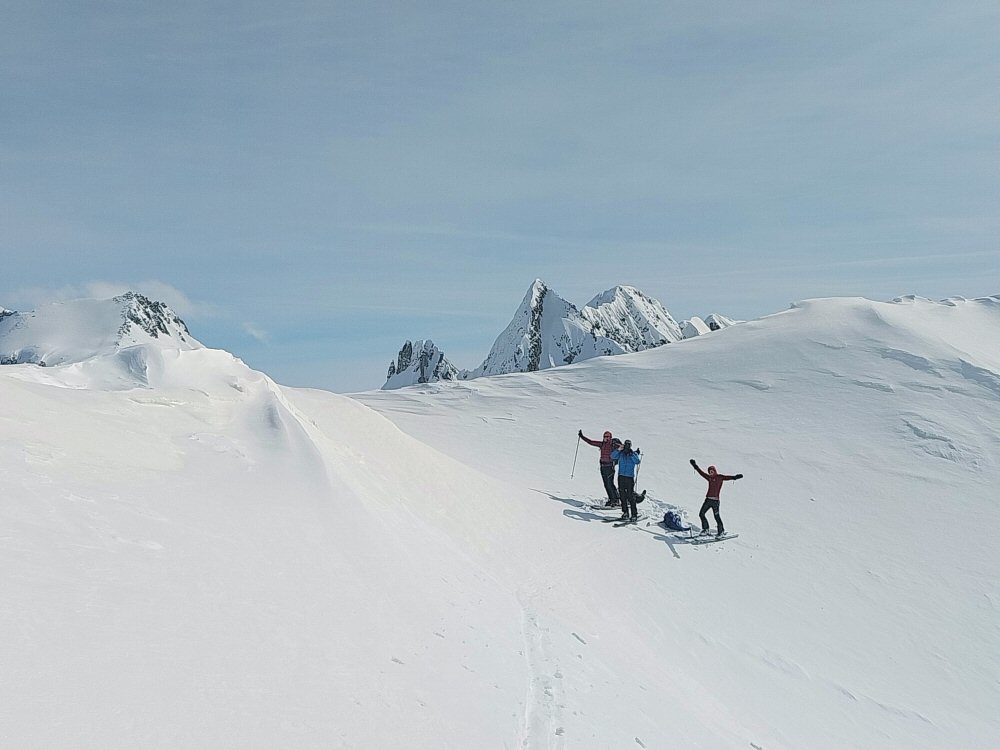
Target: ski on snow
<point>709,538</point>
<point>638,499</point>
<point>629,522</point>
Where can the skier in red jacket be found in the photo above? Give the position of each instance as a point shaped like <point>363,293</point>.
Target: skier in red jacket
<point>715,480</point>
<point>607,465</point>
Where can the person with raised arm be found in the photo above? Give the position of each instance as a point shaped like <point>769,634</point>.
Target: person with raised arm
<point>607,465</point>
<point>715,480</point>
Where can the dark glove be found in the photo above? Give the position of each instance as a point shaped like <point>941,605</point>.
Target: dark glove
<point>579,433</point>
<point>694,463</point>
<point>738,476</point>
<point>638,451</point>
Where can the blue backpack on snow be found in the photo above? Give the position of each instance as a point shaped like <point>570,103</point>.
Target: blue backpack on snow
<point>673,521</point>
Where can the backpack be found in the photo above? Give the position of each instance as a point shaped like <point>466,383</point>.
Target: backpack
<point>672,520</point>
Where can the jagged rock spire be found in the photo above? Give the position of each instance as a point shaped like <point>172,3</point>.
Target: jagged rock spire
<point>548,331</point>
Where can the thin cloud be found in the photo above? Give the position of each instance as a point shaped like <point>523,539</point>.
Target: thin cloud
<point>256,333</point>
<point>27,298</point>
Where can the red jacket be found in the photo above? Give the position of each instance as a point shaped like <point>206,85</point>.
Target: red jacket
<point>714,483</point>
<point>604,445</point>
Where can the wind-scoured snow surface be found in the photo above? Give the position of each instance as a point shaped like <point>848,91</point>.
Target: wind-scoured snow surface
<point>207,559</point>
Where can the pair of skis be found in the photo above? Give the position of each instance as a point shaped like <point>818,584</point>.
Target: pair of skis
<point>709,538</point>
<point>691,537</point>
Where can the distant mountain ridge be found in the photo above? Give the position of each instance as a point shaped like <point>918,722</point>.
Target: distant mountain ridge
<point>77,330</point>
<point>548,331</point>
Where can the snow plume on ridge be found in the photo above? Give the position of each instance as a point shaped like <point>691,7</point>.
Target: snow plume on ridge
<point>548,331</point>
<point>78,330</point>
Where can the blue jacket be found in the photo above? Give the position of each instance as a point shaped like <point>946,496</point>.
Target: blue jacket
<point>626,463</point>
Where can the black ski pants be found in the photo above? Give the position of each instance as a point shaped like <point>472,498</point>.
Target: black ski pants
<point>711,503</point>
<point>626,489</point>
<point>608,477</point>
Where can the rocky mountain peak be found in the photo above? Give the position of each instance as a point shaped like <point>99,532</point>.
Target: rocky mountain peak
<point>77,330</point>
<point>549,331</point>
<point>151,317</point>
<point>420,362</point>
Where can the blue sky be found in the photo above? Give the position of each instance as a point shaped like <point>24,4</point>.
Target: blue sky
<point>311,183</point>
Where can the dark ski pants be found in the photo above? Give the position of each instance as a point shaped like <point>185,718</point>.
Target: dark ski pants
<point>626,489</point>
<point>713,504</point>
<point>608,477</point>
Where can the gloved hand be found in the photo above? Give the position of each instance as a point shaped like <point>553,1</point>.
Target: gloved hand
<point>738,476</point>
<point>694,463</point>
<point>579,433</point>
<point>638,451</point>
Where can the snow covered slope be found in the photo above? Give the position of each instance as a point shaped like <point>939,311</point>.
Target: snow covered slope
<point>216,562</point>
<point>198,557</point>
<point>859,607</point>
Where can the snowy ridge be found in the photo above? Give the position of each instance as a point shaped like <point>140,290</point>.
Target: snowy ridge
<point>78,330</point>
<point>632,319</point>
<point>694,327</point>
<point>717,322</point>
<point>420,362</point>
<point>211,546</point>
<point>548,331</point>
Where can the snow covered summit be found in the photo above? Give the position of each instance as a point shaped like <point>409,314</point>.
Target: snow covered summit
<point>631,318</point>
<point>548,331</point>
<point>78,330</point>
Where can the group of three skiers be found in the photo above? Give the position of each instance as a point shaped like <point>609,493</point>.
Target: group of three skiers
<point>614,451</point>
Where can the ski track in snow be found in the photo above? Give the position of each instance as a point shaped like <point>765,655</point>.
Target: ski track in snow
<point>543,700</point>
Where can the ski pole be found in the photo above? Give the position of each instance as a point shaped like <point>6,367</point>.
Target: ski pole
<point>572,473</point>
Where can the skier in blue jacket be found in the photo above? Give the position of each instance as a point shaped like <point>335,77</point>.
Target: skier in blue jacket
<point>628,461</point>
